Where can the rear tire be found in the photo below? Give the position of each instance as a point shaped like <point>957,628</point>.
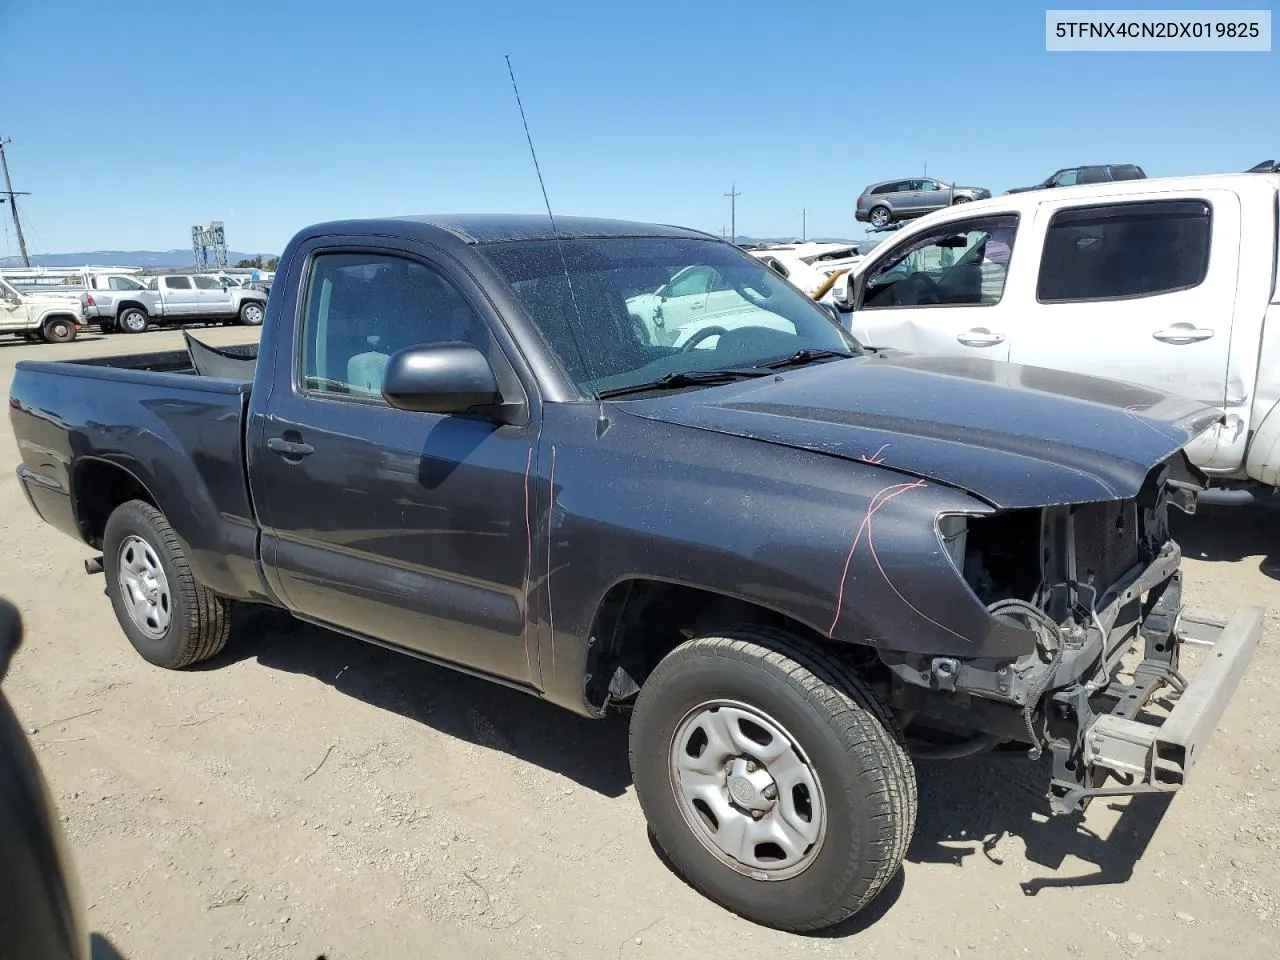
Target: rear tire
<point>766,714</point>
<point>171,619</point>
<point>880,217</point>
<point>133,320</point>
<point>59,330</point>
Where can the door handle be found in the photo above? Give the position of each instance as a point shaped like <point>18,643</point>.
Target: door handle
<point>980,337</point>
<point>289,448</point>
<point>1180,333</point>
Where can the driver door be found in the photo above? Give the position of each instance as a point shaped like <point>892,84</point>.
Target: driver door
<point>13,312</point>
<point>943,291</point>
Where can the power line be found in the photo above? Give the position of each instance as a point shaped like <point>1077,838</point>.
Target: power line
<point>733,196</point>
<point>12,196</point>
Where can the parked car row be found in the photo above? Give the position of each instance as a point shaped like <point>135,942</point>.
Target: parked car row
<point>891,202</point>
<point>173,298</point>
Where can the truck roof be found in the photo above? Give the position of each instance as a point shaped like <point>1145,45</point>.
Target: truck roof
<point>497,227</point>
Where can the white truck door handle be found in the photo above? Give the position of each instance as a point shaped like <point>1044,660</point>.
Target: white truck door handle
<point>1182,333</point>
<point>980,337</point>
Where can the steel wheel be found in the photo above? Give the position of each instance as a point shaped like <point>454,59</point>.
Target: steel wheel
<point>747,790</point>
<point>251,314</point>
<point>144,587</point>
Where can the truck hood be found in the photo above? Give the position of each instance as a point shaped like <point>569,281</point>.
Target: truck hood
<point>1012,435</point>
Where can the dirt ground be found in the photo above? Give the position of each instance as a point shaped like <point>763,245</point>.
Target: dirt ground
<point>306,795</point>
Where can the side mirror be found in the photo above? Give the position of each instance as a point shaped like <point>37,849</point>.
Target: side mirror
<point>441,378</point>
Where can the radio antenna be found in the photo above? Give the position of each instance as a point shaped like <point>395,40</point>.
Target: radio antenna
<point>564,264</point>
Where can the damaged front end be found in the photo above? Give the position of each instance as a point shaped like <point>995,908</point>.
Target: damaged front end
<point>1098,585</point>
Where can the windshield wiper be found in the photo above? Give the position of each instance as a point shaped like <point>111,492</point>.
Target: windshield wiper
<point>687,378</point>
<point>801,357</point>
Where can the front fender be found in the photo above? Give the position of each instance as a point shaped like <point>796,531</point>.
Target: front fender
<point>847,548</point>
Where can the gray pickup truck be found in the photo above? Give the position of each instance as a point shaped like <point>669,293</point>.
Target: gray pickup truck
<point>796,562</point>
<point>175,298</point>
<point>111,300</point>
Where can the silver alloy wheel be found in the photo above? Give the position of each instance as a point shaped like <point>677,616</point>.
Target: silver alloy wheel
<point>134,321</point>
<point>879,217</point>
<point>252,314</point>
<point>144,587</point>
<point>747,790</point>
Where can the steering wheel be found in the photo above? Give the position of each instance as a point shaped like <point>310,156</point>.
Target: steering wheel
<point>701,335</point>
<point>924,290</point>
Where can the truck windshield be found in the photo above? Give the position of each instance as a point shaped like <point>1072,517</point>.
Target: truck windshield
<point>641,309</point>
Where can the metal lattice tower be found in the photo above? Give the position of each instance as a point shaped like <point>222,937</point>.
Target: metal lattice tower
<point>209,244</point>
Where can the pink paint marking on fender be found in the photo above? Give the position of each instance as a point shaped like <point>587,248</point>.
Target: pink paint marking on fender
<point>875,457</point>
<point>882,496</point>
<point>872,547</point>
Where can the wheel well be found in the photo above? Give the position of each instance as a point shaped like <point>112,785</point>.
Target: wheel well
<point>51,317</point>
<point>99,488</point>
<point>131,305</point>
<point>640,621</point>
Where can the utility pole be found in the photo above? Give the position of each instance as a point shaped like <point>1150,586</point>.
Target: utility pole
<point>733,196</point>
<point>804,224</point>
<point>13,195</point>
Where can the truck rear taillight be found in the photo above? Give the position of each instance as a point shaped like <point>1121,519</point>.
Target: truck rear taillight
<point>89,301</point>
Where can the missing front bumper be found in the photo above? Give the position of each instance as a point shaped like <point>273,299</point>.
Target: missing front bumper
<point>1145,753</point>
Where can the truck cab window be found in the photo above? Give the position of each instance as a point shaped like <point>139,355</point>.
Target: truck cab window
<point>177,283</point>
<point>207,283</point>
<point>1113,251</point>
<point>362,308</point>
<point>961,264</point>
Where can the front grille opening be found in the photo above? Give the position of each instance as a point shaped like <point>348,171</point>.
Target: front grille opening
<point>1001,554</point>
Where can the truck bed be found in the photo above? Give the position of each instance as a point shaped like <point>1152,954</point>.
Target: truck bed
<point>152,423</point>
<point>196,360</point>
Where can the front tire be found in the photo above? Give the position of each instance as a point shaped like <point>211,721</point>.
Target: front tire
<point>171,619</point>
<point>773,779</point>
<point>133,320</point>
<point>251,313</point>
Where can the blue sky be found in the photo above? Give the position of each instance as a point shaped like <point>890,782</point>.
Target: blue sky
<point>133,120</point>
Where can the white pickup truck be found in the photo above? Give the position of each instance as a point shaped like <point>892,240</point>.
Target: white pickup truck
<point>52,317</point>
<point>1167,283</point>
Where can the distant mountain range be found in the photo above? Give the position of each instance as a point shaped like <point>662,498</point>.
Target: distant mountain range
<point>120,258</point>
